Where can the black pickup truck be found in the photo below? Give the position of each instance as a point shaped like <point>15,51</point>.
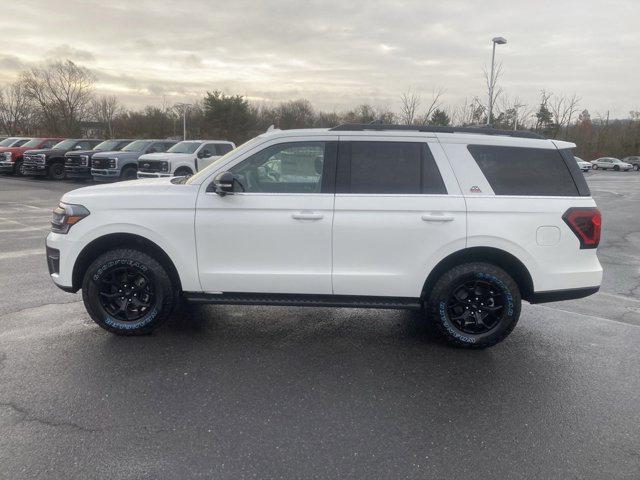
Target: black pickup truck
<point>50,161</point>
<point>77,163</point>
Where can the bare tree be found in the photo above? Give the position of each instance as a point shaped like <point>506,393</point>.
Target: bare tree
<point>436,100</point>
<point>16,111</point>
<point>563,109</point>
<point>470,112</point>
<point>63,92</point>
<point>105,110</point>
<point>492,85</point>
<point>409,104</point>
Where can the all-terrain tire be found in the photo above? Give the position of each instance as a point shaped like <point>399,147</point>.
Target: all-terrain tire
<point>99,278</point>
<point>438,301</point>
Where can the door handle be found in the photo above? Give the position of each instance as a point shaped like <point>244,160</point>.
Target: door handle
<point>307,216</point>
<point>432,217</point>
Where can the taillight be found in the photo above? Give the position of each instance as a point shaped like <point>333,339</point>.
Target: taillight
<point>586,223</point>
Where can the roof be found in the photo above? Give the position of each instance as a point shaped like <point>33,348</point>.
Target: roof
<point>358,127</point>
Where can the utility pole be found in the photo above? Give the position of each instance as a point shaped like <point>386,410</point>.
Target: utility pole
<point>495,41</point>
<point>185,107</point>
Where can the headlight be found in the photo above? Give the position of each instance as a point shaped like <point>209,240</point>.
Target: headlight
<point>165,166</point>
<point>113,162</point>
<point>65,215</point>
<point>84,160</point>
<point>7,156</point>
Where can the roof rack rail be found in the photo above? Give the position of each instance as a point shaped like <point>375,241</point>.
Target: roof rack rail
<point>358,127</point>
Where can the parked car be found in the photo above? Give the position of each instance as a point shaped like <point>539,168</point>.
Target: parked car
<point>610,163</point>
<point>14,141</point>
<point>123,164</point>
<point>184,158</point>
<point>77,164</point>
<point>584,166</point>
<point>11,157</point>
<point>447,221</point>
<point>633,160</point>
<point>50,161</point>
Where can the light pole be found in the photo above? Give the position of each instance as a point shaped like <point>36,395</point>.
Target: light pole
<point>495,41</point>
<point>515,119</point>
<point>184,107</point>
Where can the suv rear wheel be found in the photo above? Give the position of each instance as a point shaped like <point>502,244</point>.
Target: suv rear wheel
<point>474,305</point>
<point>127,292</point>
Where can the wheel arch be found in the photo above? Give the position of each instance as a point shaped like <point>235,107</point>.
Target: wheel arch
<point>505,260</point>
<point>121,240</point>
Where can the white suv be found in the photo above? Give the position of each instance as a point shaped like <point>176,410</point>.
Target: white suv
<point>455,222</point>
<point>183,159</point>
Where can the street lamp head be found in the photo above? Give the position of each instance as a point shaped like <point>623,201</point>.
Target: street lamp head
<point>499,40</point>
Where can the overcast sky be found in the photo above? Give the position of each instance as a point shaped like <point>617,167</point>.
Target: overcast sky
<point>336,53</point>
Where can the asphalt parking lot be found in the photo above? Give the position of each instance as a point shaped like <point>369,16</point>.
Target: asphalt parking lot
<point>268,392</point>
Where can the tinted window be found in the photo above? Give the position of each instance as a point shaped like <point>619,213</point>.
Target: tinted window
<point>524,171</point>
<point>184,147</point>
<point>20,143</point>
<point>390,167</point>
<point>209,150</point>
<point>84,145</point>
<point>294,167</point>
<point>223,148</point>
<point>136,146</point>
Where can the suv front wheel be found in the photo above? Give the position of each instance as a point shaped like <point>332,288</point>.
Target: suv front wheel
<point>128,292</point>
<point>474,305</point>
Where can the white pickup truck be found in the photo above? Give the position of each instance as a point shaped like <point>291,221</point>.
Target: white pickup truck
<point>183,159</point>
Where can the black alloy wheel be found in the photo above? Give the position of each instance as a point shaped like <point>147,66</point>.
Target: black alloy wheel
<point>126,293</point>
<point>476,306</point>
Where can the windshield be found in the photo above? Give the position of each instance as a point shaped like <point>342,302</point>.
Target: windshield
<point>34,142</point>
<point>107,145</point>
<point>8,141</point>
<point>136,146</point>
<point>184,147</point>
<point>65,144</point>
<point>212,166</point>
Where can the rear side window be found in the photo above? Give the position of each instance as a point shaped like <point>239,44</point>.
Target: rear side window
<point>223,148</point>
<point>524,171</point>
<point>388,168</point>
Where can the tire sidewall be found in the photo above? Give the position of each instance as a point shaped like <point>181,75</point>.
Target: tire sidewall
<point>498,278</point>
<point>129,173</point>
<point>17,169</point>
<point>148,266</point>
<point>53,168</point>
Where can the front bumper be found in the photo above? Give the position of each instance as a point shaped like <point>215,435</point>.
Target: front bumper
<point>153,175</point>
<point>105,174</point>
<point>34,169</point>
<point>77,171</point>
<point>7,166</point>
<point>61,255</point>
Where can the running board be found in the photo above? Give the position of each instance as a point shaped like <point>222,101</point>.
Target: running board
<point>301,300</point>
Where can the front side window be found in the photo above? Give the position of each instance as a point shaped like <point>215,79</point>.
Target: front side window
<point>388,168</point>
<point>524,171</point>
<point>222,148</point>
<point>294,167</point>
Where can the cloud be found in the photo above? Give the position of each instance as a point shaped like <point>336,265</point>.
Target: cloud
<point>63,52</point>
<point>337,54</point>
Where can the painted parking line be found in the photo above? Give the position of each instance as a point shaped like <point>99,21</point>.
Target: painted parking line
<point>21,253</point>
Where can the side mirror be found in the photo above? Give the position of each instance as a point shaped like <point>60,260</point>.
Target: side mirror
<point>223,184</point>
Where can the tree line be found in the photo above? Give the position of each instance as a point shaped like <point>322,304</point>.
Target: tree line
<point>60,99</point>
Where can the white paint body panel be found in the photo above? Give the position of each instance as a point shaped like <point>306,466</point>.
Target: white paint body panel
<point>361,245</point>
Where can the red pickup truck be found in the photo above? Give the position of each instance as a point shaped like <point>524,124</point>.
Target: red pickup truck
<point>11,157</point>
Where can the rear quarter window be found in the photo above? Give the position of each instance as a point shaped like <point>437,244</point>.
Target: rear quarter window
<point>525,171</point>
